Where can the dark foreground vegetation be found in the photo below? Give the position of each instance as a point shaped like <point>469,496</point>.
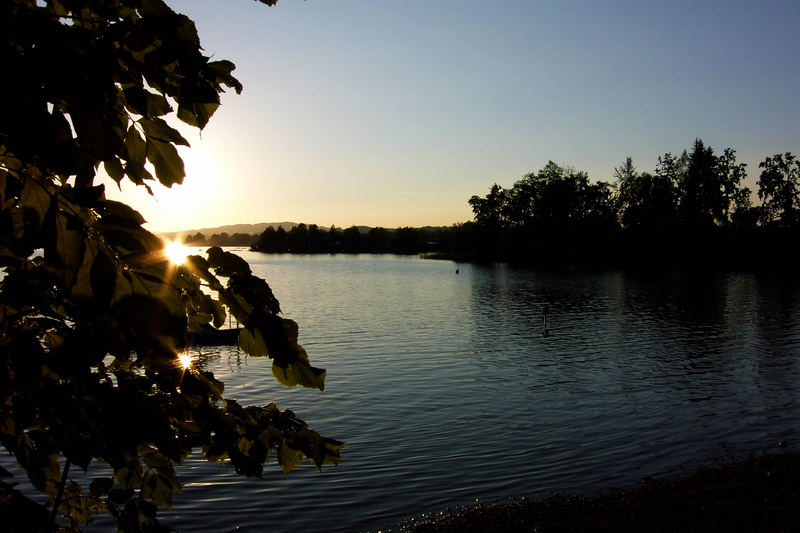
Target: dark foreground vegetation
<point>756,495</point>
<point>94,318</point>
<point>693,212</point>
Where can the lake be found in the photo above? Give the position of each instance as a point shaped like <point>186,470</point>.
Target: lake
<point>448,393</point>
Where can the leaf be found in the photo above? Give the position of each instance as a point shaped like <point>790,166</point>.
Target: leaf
<point>226,263</point>
<point>101,486</point>
<point>198,320</point>
<point>212,306</point>
<point>167,162</point>
<point>35,195</point>
<point>288,458</point>
<point>159,488</point>
<point>120,496</point>
<point>146,103</point>
<point>214,386</point>
<point>223,71</point>
<point>155,7</point>
<point>252,342</point>
<point>157,105</point>
<point>299,373</point>
<point>7,425</point>
<point>130,474</point>
<point>197,115</point>
<point>189,427</point>
<point>84,283</point>
<point>121,214</point>
<point>68,247</point>
<point>114,169</point>
<point>152,457</point>
<point>75,505</point>
<point>135,147</point>
<point>43,471</point>
<point>158,129</point>
<point>244,445</point>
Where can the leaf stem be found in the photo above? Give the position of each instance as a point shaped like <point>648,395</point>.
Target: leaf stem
<point>60,494</point>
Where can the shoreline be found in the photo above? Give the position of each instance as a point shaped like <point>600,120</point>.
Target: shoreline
<point>759,493</point>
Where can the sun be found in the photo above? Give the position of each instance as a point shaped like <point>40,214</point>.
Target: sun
<point>176,252</point>
<point>185,360</point>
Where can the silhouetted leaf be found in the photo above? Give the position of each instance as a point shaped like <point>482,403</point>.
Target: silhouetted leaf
<point>35,196</point>
<point>101,486</point>
<point>299,373</point>
<point>196,114</point>
<point>136,147</point>
<point>158,129</point>
<point>114,169</point>
<point>288,458</point>
<point>167,162</point>
<point>253,343</point>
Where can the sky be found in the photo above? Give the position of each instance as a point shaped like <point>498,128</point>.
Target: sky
<point>394,113</point>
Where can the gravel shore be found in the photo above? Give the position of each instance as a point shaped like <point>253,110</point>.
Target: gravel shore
<point>760,494</point>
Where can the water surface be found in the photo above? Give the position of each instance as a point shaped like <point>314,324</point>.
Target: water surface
<point>448,393</point>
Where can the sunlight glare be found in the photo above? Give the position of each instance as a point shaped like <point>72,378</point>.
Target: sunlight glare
<point>185,360</point>
<point>176,252</point>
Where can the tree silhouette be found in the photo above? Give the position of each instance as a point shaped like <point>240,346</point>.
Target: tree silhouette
<point>692,213</point>
<point>551,218</point>
<point>779,190</point>
<point>707,185</point>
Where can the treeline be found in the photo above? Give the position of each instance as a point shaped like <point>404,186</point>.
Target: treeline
<point>313,239</point>
<point>693,212</point>
<point>221,239</point>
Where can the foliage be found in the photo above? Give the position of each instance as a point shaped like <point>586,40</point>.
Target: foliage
<point>92,314</point>
<point>707,185</point>
<point>310,238</point>
<point>646,203</point>
<point>692,213</point>
<point>220,239</point>
<point>779,190</point>
<point>547,218</point>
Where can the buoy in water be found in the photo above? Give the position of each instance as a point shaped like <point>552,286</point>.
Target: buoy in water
<point>546,331</point>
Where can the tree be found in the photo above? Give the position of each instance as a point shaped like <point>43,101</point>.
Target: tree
<point>196,238</point>
<point>351,240</point>
<point>93,317</point>
<point>645,203</point>
<point>625,172</point>
<point>490,211</point>
<point>407,241</point>
<point>779,190</point>
<point>547,218</point>
<point>707,185</point>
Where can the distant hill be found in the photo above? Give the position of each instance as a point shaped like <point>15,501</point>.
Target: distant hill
<point>258,229</point>
<point>230,229</point>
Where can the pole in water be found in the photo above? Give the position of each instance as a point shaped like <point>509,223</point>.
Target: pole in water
<point>546,331</point>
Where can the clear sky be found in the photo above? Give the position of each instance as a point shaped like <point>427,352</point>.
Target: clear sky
<point>394,112</point>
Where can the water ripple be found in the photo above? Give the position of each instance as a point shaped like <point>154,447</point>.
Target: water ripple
<point>447,391</point>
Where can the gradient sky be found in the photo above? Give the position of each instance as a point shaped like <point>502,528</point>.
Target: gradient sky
<point>393,113</point>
